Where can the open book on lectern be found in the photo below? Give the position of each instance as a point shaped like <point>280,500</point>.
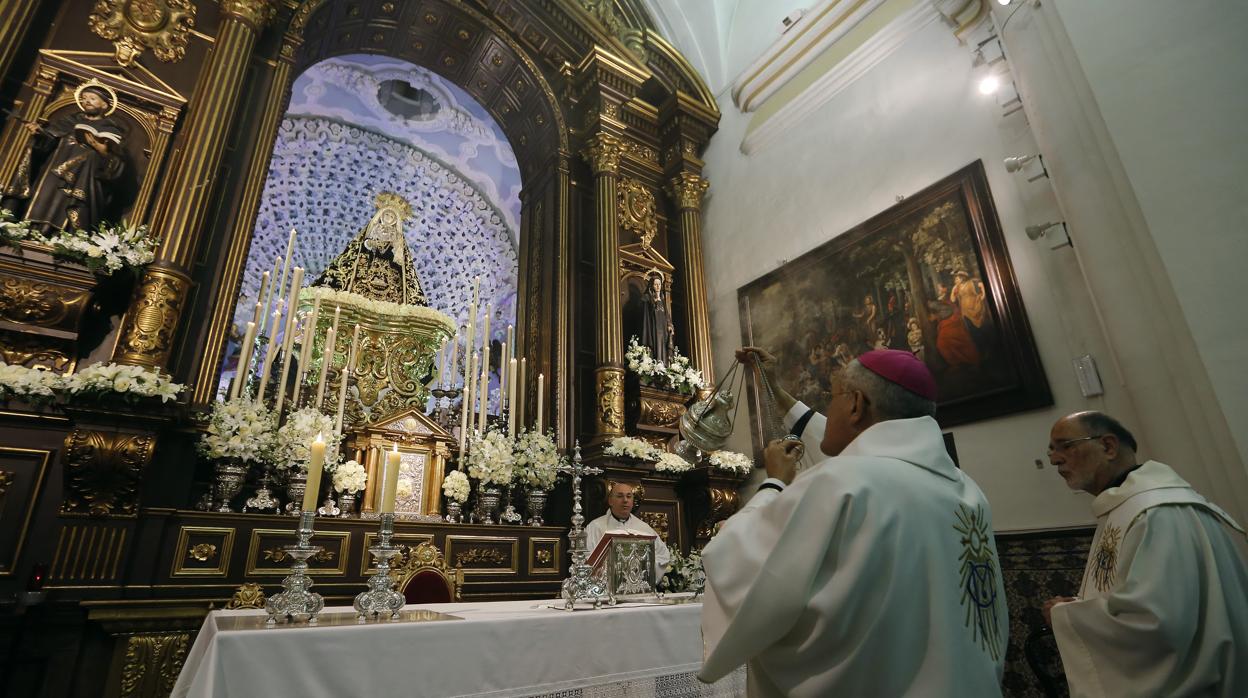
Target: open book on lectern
<point>599,552</point>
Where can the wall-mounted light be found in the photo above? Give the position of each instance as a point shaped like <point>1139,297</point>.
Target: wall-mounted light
<point>1004,2</point>
<point>989,84</point>
<point>1016,163</point>
<point>1035,232</point>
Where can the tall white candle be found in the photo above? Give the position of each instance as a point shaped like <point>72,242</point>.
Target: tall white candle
<point>267,364</point>
<point>305,348</point>
<point>327,358</point>
<point>272,294</point>
<point>521,396</point>
<point>485,363</point>
<point>290,248</point>
<point>511,396</point>
<point>450,377</point>
<point>502,377</point>
<point>541,388</point>
<point>264,289</point>
<point>437,381</point>
<point>483,415</point>
<point>511,343</point>
<point>347,372</point>
<point>244,358</point>
<point>288,337</point>
<point>469,403</point>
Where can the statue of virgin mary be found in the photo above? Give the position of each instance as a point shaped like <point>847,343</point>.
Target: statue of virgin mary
<point>376,263</point>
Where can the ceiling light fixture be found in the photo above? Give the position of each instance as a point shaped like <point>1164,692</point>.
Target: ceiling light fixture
<point>1035,232</point>
<point>989,84</point>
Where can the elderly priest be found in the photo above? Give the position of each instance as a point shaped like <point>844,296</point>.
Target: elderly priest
<point>620,500</point>
<point>874,573</point>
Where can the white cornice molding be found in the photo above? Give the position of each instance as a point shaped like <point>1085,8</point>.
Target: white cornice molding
<point>842,75</point>
<point>821,26</point>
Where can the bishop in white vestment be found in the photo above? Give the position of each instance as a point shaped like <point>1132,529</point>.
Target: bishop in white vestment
<point>620,517</point>
<point>1163,606</point>
<point>875,573</point>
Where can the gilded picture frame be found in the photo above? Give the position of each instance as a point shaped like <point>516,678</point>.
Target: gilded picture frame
<point>929,275</point>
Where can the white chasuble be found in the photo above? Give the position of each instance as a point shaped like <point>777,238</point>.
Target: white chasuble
<point>874,573</point>
<point>1163,607</point>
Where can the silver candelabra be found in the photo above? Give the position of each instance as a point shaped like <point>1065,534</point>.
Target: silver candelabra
<point>297,598</point>
<point>580,584</point>
<point>380,596</point>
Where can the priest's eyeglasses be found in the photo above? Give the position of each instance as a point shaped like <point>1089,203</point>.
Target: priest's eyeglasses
<point>1065,444</point>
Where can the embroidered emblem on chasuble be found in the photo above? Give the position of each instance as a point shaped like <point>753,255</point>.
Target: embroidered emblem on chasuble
<point>1105,560</point>
<point>979,579</point>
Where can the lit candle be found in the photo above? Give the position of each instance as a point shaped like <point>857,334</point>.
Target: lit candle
<point>313,490</point>
<point>290,248</point>
<point>331,339</point>
<point>267,364</point>
<point>288,336</point>
<point>347,372</point>
<point>244,357</point>
<point>390,482</point>
<point>305,348</point>
<point>511,397</point>
<point>540,391</point>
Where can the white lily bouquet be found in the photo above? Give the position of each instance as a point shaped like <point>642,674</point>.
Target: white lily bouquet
<point>671,463</point>
<point>108,249</point>
<point>101,380</point>
<point>295,437</point>
<point>732,461</point>
<point>677,374</point>
<point>35,385</point>
<point>632,447</point>
<point>239,429</point>
<point>684,573</point>
<point>491,458</point>
<point>537,459</point>
<point>456,486</point>
<point>350,477</point>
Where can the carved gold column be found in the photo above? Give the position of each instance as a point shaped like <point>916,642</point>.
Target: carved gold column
<point>687,191</point>
<point>603,153</point>
<point>15,20</point>
<point>150,326</point>
<point>244,220</point>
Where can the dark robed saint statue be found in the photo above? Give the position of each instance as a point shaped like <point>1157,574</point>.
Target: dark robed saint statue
<point>657,331</point>
<point>376,263</point>
<point>63,180</point>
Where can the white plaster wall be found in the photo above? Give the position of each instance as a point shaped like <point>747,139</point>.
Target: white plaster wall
<point>911,121</point>
<point>1169,79</point>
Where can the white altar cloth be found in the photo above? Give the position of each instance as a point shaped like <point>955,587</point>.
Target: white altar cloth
<point>498,649</point>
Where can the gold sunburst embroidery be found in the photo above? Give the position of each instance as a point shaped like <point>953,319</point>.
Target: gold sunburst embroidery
<point>1105,560</point>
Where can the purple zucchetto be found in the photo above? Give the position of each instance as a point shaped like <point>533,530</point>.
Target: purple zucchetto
<point>902,368</point>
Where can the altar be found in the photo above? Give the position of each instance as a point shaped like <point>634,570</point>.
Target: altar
<point>497,649</point>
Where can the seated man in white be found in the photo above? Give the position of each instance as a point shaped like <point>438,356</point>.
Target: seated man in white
<point>620,516</point>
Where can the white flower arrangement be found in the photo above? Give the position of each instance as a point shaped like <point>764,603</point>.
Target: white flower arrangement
<point>491,458</point>
<point>684,573</point>
<point>295,437</point>
<point>12,231</point>
<point>732,461</point>
<point>677,374</point>
<point>350,477</point>
<point>456,486</point>
<point>99,380</point>
<point>241,429</point>
<point>108,249</point>
<point>331,297</point>
<point>671,463</point>
<point>632,447</point>
<point>537,459</point>
<point>36,385</point>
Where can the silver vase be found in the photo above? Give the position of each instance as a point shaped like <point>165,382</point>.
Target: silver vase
<point>346,502</point>
<point>231,474</point>
<point>454,511</point>
<point>490,497</point>
<point>296,485</point>
<point>537,504</point>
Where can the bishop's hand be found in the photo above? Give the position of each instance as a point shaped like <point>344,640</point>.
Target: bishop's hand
<point>781,457</point>
<point>1048,607</point>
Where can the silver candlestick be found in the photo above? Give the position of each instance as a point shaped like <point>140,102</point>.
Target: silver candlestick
<point>297,599</point>
<point>381,596</point>
<point>580,584</point>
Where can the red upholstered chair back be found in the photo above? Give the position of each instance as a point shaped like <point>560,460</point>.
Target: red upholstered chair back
<point>423,576</point>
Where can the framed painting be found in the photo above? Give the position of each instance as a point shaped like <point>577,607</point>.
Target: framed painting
<point>930,275</point>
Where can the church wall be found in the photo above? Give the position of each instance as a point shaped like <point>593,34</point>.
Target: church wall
<point>912,120</point>
<point>1168,79</point>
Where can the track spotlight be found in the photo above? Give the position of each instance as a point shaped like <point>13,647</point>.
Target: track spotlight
<point>1035,232</point>
<point>1015,163</point>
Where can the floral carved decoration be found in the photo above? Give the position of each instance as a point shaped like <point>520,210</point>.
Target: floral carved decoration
<point>202,552</point>
<point>636,207</point>
<point>471,555</point>
<point>279,555</point>
<point>103,470</point>
<point>137,25</point>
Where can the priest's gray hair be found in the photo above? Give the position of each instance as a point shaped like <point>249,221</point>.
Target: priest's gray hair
<point>888,400</point>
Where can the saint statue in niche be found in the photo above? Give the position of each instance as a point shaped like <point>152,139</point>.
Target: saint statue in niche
<point>77,157</point>
<point>657,331</point>
<point>376,263</point>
